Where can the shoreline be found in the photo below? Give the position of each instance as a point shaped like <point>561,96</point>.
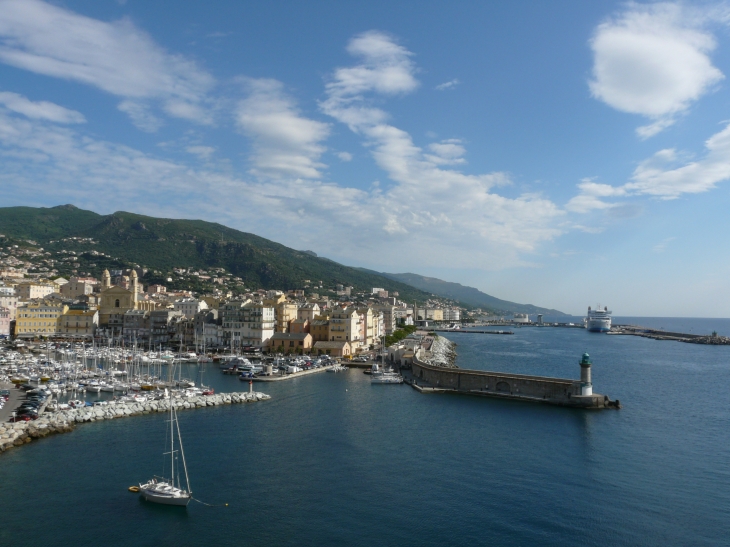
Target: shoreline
<point>64,421</point>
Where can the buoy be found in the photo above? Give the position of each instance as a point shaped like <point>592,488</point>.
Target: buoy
<point>134,488</point>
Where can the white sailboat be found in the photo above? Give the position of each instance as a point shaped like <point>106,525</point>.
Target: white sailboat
<point>170,491</point>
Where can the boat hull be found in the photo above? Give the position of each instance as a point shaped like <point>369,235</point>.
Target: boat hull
<point>165,500</point>
<point>166,496</point>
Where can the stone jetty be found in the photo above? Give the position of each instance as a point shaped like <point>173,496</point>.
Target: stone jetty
<point>442,353</point>
<point>64,421</point>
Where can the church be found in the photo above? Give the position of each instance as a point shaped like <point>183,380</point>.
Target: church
<point>115,301</point>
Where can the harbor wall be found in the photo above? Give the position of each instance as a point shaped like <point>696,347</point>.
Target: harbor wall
<point>558,391</point>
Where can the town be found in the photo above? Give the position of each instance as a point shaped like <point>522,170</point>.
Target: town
<point>206,310</point>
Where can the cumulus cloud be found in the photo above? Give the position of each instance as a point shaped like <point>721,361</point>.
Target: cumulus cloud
<point>285,142</point>
<point>344,156</point>
<point>447,85</point>
<point>653,60</point>
<point>426,196</point>
<point>40,110</point>
<point>667,174</point>
<point>116,57</point>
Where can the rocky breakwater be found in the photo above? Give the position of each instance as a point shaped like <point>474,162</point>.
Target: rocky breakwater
<point>64,421</point>
<point>441,354</point>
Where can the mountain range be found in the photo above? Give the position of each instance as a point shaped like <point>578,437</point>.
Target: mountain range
<point>161,244</point>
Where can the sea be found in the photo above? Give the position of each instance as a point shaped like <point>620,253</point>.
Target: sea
<point>333,460</point>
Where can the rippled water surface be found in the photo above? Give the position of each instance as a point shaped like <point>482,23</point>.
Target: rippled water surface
<point>334,460</point>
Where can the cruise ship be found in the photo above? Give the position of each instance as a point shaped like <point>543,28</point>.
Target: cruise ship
<point>598,320</point>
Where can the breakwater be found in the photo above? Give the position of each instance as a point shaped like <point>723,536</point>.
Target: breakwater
<point>428,378</point>
<point>442,353</point>
<point>658,334</point>
<point>64,421</point>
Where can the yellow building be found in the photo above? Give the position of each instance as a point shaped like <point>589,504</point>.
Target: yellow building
<point>286,312</point>
<point>114,300</point>
<point>79,323</point>
<point>39,319</point>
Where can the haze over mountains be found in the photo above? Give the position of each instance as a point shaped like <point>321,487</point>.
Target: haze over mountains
<point>163,244</point>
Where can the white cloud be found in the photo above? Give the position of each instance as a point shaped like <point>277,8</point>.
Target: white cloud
<point>116,57</point>
<point>141,116</point>
<point>285,142</point>
<point>40,110</point>
<point>653,60</point>
<point>425,197</point>
<point>448,152</point>
<point>667,174</point>
<point>447,85</point>
<point>344,156</point>
<point>658,175</point>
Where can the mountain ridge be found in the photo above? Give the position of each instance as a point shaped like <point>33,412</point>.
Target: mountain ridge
<point>468,295</point>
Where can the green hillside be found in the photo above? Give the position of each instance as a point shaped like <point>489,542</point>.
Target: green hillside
<point>468,295</point>
<point>162,244</point>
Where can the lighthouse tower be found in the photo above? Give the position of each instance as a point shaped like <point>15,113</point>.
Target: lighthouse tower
<point>586,387</point>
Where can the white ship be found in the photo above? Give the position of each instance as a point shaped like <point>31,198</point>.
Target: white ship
<point>598,320</point>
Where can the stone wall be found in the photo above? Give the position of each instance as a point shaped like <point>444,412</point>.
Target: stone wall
<point>559,391</point>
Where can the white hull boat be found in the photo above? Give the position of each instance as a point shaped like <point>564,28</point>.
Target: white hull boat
<point>164,493</point>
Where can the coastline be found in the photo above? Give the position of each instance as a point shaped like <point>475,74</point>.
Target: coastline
<point>64,421</point>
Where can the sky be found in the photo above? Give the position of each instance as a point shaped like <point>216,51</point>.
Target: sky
<point>562,153</point>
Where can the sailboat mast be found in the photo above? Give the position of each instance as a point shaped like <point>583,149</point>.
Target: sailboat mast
<point>172,443</point>
<point>182,453</point>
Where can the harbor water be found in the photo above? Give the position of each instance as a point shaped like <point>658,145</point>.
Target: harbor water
<point>333,460</point>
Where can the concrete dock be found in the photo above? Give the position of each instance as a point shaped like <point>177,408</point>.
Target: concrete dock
<point>280,377</point>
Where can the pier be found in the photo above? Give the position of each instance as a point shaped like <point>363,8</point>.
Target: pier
<point>473,331</point>
<point>538,389</point>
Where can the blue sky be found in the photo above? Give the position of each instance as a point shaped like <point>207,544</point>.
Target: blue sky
<point>559,153</point>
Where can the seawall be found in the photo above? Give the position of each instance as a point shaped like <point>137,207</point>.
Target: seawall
<point>64,421</point>
<point>540,389</point>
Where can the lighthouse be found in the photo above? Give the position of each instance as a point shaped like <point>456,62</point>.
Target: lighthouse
<point>586,387</point>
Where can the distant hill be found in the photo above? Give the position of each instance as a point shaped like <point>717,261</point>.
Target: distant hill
<point>162,244</point>
<point>468,295</point>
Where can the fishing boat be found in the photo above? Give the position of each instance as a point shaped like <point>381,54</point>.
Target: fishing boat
<point>170,491</point>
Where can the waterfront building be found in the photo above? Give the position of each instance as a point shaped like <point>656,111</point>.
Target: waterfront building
<point>389,317</point>
<point>334,349</point>
<point>136,325</point>
<point>163,326</point>
<point>452,314</point>
<point>79,323</point>
<point>247,324</point>
<point>345,326</point>
<point>39,318</point>
<point>189,306</point>
<point>285,313</point>
<point>319,329</point>
<point>290,342</point>
<point>208,328</point>
<point>4,321</point>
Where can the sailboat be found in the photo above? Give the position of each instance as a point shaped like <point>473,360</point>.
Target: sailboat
<point>170,491</point>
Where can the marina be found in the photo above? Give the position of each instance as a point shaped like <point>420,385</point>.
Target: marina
<point>319,442</point>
